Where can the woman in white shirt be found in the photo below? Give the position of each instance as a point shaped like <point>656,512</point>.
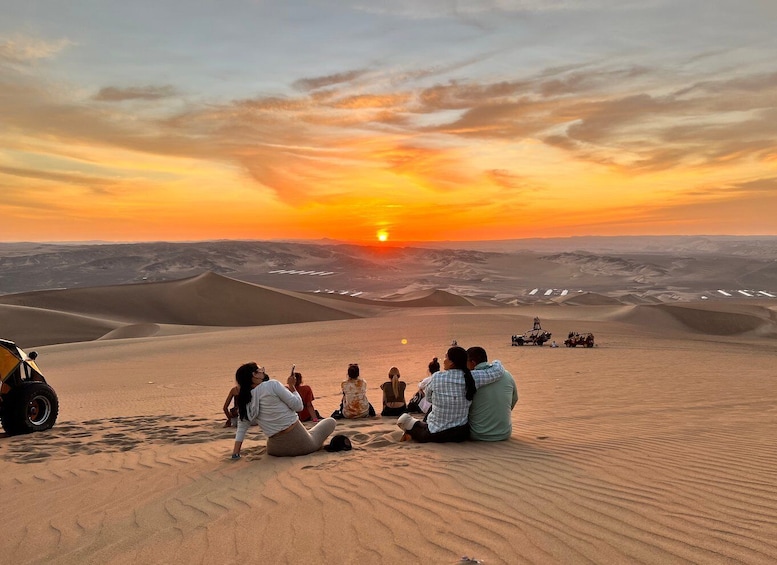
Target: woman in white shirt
<point>423,404</point>
<point>274,407</point>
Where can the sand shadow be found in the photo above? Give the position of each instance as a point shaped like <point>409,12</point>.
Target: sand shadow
<point>127,433</point>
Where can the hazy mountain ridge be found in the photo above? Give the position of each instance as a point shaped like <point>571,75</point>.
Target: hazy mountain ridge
<point>764,246</point>
<point>688,266</point>
<point>604,265</point>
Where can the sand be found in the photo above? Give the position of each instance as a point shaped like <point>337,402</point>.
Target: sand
<point>655,446</point>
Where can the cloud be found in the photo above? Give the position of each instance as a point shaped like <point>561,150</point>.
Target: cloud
<point>723,207</point>
<point>25,50</point>
<point>312,143</point>
<point>117,94</point>
<point>766,185</point>
<point>508,180</point>
<point>315,83</point>
<point>709,124</point>
<point>369,101</point>
<point>435,9</point>
<point>70,178</point>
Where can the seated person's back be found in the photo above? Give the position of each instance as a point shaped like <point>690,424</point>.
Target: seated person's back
<point>394,402</point>
<point>355,403</point>
<point>490,417</point>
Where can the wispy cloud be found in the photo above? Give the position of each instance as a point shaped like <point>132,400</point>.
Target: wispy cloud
<point>315,83</point>
<point>297,140</point>
<point>23,49</point>
<point>117,94</point>
<point>60,177</point>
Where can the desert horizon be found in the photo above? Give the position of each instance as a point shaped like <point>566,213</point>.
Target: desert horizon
<point>652,269</point>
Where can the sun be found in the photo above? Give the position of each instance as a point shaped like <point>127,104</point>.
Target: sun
<point>383,235</point>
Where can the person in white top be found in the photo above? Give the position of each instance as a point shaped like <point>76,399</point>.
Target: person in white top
<point>424,403</point>
<point>274,407</point>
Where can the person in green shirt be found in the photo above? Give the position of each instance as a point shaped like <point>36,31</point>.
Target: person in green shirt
<point>490,414</point>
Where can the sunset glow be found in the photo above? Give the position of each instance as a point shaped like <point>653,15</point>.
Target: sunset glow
<point>509,120</point>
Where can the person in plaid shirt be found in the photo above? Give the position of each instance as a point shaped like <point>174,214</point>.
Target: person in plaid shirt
<point>450,392</point>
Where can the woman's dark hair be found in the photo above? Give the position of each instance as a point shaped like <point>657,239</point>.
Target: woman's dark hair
<point>458,357</point>
<point>297,379</point>
<point>434,366</point>
<point>244,377</point>
<point>353,371</point>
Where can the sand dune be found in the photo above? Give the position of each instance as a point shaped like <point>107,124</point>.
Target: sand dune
<point>722,320</point>
<point>208,300</point>
<point>588,299</point>
<point>204,300</point>
<point>428,298</point>
<point>132,331</point>
<point>653,447</point>
<point>32,326</point>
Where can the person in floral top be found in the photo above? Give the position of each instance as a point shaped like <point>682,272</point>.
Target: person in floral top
<point>355,403</point>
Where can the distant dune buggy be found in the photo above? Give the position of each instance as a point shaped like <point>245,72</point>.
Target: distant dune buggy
<point>27,402</point>
<point>574,339</point>
<point>533,337</point>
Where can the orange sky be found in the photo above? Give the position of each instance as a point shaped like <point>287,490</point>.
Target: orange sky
<point>415,121</point>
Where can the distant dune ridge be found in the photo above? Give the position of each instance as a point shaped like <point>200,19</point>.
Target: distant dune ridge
<point>655,446</point>
<point>718,319</point>
<point>204,300</point>
<point>646,267</point>
<point>211,300</point>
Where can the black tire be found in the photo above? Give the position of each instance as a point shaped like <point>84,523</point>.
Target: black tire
<point>30,407</point>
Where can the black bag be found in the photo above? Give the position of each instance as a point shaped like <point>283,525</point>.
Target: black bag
<point>413,405</point>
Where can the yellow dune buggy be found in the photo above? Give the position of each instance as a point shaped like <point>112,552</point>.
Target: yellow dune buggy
<point>27,402</point>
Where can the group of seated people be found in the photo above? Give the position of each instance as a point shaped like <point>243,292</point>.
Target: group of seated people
<point>469,398</point>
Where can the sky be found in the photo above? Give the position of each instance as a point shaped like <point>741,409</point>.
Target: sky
<point>417,120</point>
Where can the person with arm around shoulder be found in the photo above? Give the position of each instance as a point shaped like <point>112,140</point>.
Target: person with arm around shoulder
<point>490,415</point>
<point>274,407</point>
<point>450,393</point>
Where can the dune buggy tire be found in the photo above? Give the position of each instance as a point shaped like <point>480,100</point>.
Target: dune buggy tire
<point>30,407</point>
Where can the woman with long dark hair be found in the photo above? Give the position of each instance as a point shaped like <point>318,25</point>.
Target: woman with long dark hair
<point>274,407</point>
<point>450,393</point>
